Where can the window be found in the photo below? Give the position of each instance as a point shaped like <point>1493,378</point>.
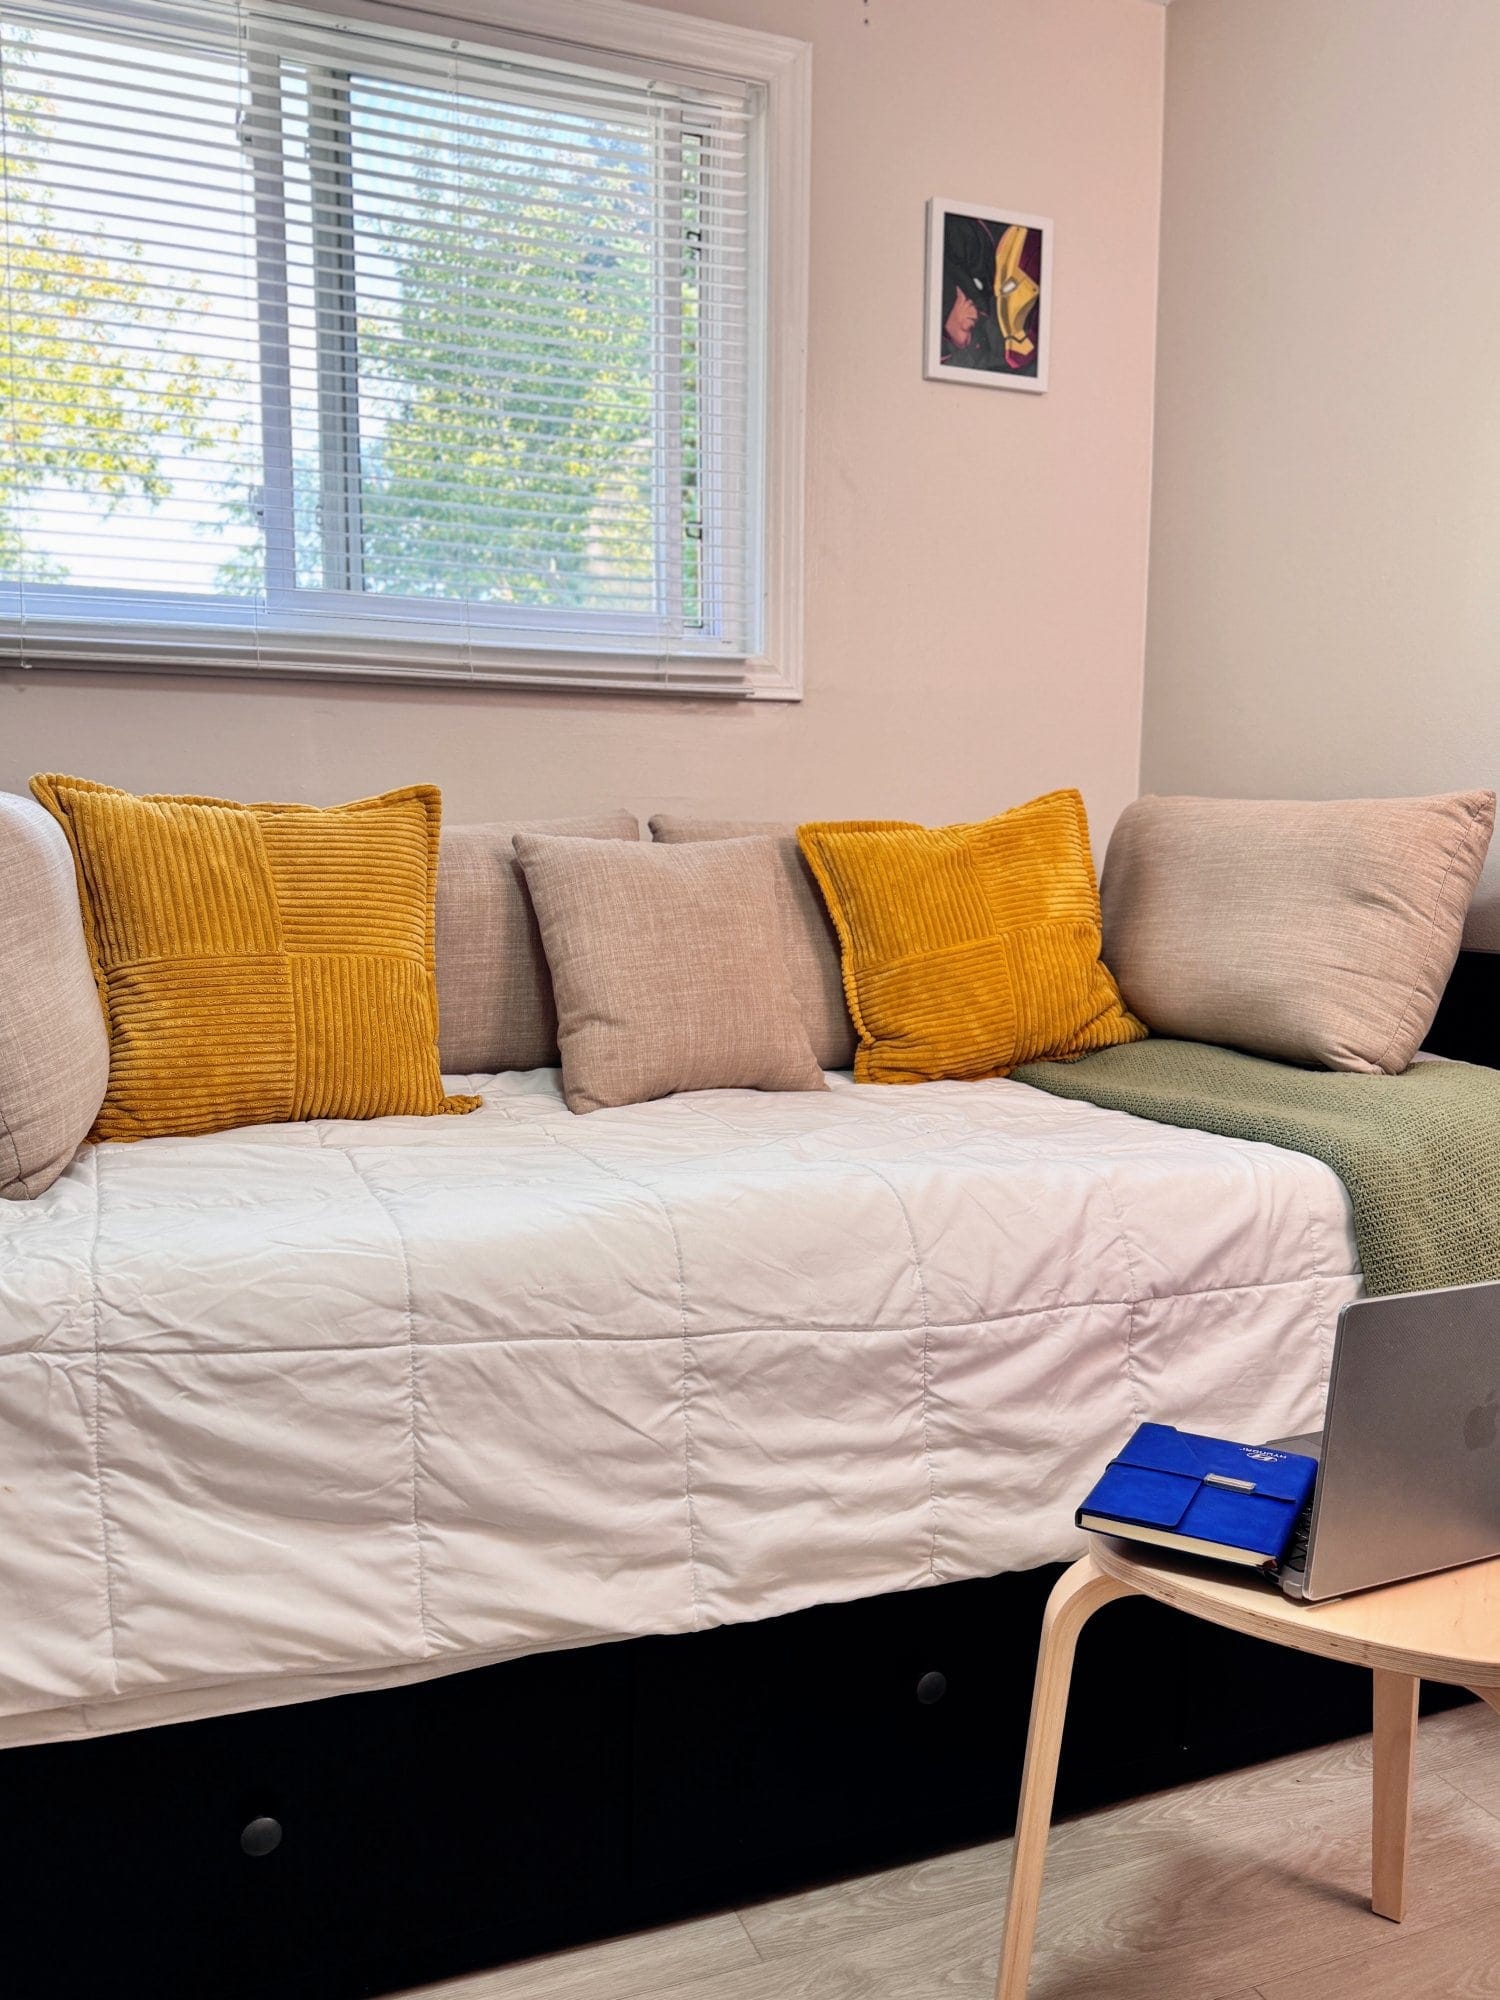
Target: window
<point>343,348</point>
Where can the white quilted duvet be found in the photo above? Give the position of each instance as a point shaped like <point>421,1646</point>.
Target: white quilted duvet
<point>303,1408</point>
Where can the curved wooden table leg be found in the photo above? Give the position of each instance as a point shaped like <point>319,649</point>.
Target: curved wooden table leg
<point>1078,1594</point>
<point>1395,1749</point>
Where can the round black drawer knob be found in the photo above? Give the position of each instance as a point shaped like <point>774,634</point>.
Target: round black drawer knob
<point>261,1836</point>
<point>931,1688</point>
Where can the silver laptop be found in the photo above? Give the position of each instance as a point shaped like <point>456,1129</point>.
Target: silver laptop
<point>1409,1453</point>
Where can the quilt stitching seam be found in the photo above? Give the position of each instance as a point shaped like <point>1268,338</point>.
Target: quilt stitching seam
<point>732,1332</point>
<point>413,1428</point>
<point>373,1679</point>
<point>688,1359</point>
<point>689,1362</point>
<point>916,1260</point>
<point>106,1540</point>
<point>1132,1380</point>
<point>1311,1232</point>
<point>749,1139</point>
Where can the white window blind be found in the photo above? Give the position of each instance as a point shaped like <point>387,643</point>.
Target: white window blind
<point>335,347</point>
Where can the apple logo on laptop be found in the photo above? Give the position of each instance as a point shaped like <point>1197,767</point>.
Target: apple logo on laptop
<point>1479,1425</point>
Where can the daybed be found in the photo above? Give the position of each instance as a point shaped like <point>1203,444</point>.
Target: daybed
<point>304,1410</point>
<point>301,1408</point>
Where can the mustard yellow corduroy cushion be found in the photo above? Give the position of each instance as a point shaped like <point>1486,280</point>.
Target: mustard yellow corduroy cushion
<point>258,963</point>
<point>969,949</point>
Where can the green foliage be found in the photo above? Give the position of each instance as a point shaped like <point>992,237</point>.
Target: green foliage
<point>80,408</point>
<point>525,480</point>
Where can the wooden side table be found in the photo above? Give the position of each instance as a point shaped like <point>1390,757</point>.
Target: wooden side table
<point>1439,1628</point>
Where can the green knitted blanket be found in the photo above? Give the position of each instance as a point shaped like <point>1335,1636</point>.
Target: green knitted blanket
<point>1419,1153</point>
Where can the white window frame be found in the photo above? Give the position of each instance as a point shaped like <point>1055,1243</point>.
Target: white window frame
<point>610,34</point>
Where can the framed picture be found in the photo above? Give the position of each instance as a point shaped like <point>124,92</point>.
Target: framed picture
<point>989,296</point>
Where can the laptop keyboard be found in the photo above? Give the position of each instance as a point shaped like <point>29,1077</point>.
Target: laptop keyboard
<point>1294,1559</point>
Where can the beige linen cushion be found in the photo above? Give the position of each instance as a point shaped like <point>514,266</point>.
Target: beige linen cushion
<point>54,1049</point>
<point>667,967</point>
<point>812,945</point>
<point>1313,931</point>
<point>495,1006</point>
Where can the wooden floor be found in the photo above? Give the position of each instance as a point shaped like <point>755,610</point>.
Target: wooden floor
<point>1250,1887</point>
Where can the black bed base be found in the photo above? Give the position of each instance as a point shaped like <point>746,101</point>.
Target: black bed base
<point>1467,1025</point>
<point>431,1830</point>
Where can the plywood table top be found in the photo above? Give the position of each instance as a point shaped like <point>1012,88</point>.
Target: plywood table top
<point>1439,1628</point>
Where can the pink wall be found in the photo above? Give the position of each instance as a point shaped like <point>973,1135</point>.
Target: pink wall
<point>976,561</point>
<point>1325,599</point>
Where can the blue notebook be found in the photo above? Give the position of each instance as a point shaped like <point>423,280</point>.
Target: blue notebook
<point>1238,1502</point>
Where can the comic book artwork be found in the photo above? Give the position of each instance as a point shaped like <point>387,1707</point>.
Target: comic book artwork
<point>989,296</point>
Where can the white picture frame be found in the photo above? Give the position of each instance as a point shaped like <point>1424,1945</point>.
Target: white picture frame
<point>985,345</point>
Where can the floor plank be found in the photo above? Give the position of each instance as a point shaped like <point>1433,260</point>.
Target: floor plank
<point>682,1959</point>
<point>1453,1962</point>
<point>846,1913</point>
<point>1248,1887</point>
